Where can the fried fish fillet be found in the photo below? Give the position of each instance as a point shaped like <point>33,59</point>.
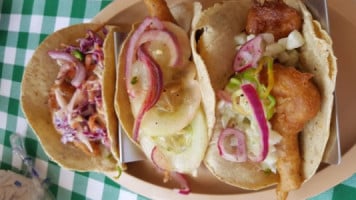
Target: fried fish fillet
<point>298,101</point>
<point>273,17</point>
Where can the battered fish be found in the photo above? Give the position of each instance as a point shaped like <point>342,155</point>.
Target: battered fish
<point>298,101</point>
<point>273,17</point>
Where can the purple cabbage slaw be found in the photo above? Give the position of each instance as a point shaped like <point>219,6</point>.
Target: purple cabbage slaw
<point>81,116</point>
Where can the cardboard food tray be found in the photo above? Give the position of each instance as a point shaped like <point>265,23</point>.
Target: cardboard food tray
<point>142,178</point>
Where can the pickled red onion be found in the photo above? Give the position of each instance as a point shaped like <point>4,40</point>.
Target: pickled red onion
<point>153,22</point>
<point>168,39</point>
<point>154,89</point>
<point>249,54</point>
<point>259,114</point>
<point>159,160</point>
<point>80,72</point>
<point>180,178</point>
<point>240,155</point>
<point>162,165</point>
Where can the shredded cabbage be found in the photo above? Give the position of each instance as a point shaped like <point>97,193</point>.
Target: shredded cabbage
<point>249,125</point>
<point>82,118</point>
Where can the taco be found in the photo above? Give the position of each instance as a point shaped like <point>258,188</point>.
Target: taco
<point>273,71</point>
<point>159,101</point>
<point>67,97</point>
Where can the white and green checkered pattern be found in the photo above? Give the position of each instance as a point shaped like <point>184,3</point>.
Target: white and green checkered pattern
<point>23,25</point>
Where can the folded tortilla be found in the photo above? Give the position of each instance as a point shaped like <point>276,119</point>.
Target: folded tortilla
<point>125,113</point>
<point>214,54</point>
<point>39,76</point>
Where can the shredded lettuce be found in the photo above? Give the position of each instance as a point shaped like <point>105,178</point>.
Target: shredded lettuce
<point>247,123</point>
<point>176,143</point>
<point>81,118</point>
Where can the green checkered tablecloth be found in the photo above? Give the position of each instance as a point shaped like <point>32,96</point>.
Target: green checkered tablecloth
<point>23,25</point>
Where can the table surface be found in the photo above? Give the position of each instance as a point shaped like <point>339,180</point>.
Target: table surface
<point>23,25</point>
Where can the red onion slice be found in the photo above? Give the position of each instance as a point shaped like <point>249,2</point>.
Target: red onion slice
<point>161,163</point>
<point>184,186</point>
<point>153,22</point>
<point>61,55</point>
<point>80,72</point>
<point>259,114</point>
<point>159,160</point>
<point>240,155</point>
<point>249,54</point>
<point>154,88</point>
<point>166,38</point>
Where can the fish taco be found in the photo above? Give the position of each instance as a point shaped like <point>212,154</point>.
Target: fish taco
<point>159,101</point>
<point>273,71</point>
<point>67,96</point>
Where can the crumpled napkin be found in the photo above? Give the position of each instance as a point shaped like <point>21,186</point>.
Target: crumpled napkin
<point>15,186</point>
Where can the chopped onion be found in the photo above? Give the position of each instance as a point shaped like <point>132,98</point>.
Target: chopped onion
<point>294,40</point>
<point>240,38</point>
<point>249,54</point>
<point>250,37</point>
<point>240,155</point>
<point>259,114</point>
<point>288,58</point>
<point>274,49</point>
<point>268,37</point>
<point>283,42</point>
<point>154,89</point>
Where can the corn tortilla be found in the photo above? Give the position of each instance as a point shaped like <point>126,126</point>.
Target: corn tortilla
<point>214,55</point>
<point>39,76</point>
